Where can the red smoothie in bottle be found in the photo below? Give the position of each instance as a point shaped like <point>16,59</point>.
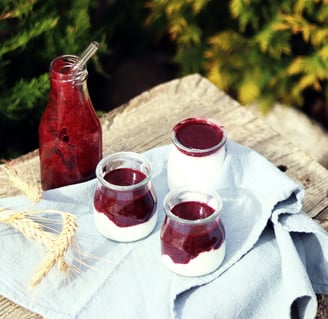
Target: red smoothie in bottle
<point>70,134</point>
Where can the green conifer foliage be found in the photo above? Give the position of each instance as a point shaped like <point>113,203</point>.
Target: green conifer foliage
<point>258,51</point>
<point>255,50</point>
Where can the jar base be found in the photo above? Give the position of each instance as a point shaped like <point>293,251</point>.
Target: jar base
<point>123,234</point>
<point>203,264</point>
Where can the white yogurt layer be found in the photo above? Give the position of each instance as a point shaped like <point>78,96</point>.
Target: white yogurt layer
<point>203,264</point>
<point>123,234</point>
<point>185,170</point>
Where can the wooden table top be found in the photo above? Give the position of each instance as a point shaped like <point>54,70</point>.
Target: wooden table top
<point>146,122</point>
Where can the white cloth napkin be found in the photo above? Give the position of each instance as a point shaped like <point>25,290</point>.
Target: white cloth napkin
<point>276,257</point>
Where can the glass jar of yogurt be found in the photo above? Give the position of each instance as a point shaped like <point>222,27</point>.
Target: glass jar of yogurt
<point>125,204</point>
<point>197,154</point>
<point>192,235</point>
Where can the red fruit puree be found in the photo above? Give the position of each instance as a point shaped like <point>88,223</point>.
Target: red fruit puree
<point>125,207</point>
<point>70,136</point>
<point>182,242</point>
<point>198,133</point>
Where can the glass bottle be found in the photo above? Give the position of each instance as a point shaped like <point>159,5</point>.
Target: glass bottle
<point>192,235</point>
<point>197,154</point>
<point>70,133</point>
<point>125,204</point>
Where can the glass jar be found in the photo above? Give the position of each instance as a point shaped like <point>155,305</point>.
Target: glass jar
<point>125,204</point>
<point>192,235</point>
<point>197,154</point>
<point>70,134</point>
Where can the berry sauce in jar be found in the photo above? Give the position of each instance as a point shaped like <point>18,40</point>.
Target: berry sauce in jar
<point>129,207</point>
<point>125,204</point>
<point>192,235</point>
<point>197,154</point>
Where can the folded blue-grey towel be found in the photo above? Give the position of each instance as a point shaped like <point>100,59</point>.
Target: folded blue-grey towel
<point>276,257</point>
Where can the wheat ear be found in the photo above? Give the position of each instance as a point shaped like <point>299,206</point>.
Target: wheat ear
<point>23,179</point>
<point>57,252</point>
<point>33,231</point>
<point>28,228</point>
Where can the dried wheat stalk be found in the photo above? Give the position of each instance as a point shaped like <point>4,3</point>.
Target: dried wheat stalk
<point>57,245</point>
<point>57,252</point>
<point>34,231</point>
<point>23,178</point>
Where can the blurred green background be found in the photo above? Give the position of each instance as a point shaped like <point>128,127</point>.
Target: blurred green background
<point>269,52</point>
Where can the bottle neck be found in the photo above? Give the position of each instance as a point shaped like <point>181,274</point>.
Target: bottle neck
<point>61,71</point>
<point>66,84</point>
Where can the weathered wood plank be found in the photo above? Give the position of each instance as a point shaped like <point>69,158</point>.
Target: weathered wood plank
<point>146,122</point>
<point>10,310</point>
<point>151,116</point>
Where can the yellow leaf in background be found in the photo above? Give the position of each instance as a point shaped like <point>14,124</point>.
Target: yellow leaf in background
<point>263,38</point>
<point>177,26</point>
<point>226,41</point>
<point>309,80</point>
<point>306,81</point>
<point>295,95</point>
<point>280,26</point>
<point>198,5</point>
<point>248,91</point>
<point>306,33</point>
<point>319,36</point>
<point>213,39</point>
<point>209,54</point>
<point>173,7</point>
<point>323,52</point>
<point>191,35</point>
<point>216,77</point>
<point>322,15</point>
<point>298,66</point>
<point>236,7</point>
<point>312,65</point>
<point>300,5</point>
<point>298,24</point>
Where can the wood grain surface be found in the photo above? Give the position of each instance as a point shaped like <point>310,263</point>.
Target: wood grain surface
<point>146,121</point>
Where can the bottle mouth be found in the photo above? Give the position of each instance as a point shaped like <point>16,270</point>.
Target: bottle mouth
<point>61,68</point>
<point>129,160</point>
<point>191,194</point>
<point>198,136</point>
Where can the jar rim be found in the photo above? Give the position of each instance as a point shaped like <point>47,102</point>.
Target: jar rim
<point>197,152</point>
<point>123,156</point>
<point>200,191</point>
<point>66,61</point>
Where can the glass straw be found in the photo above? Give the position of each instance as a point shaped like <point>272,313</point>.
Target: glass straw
<point>86,55</point>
